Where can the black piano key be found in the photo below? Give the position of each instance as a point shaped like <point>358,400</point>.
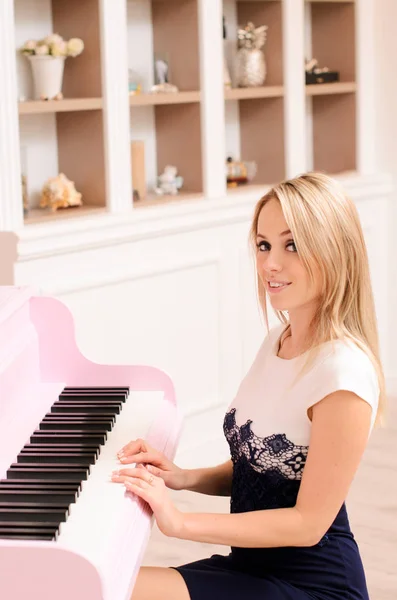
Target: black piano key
<point>105,409</point>
<point>46,436</point>
<point>63,447</point>
<point>92,397</point>
<point>60,450</point>
<point>40,485</point>
<point>81,416</point>
<point>41,506</point>
<point>49,496</point>
<point>7,528</point>
<point>82,426</point>
<point>104,388</point>
<point>29,515</point>
<point>82,459</point>
<point>70,473</point>
<point>44,537</point>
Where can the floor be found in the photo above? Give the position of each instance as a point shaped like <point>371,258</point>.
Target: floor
<point>372,506</point>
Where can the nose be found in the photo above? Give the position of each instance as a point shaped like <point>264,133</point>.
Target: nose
<point>272,263</point>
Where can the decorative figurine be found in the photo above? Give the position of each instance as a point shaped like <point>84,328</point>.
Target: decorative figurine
<point>25,198</point>
<point>168,182</point>
<point>250,60</point>
<point>162,72</point>
<point>316,74</point>
<point>59,192</point>
<point>239,172</point>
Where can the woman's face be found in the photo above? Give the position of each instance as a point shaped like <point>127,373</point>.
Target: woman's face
<point>278,264</point>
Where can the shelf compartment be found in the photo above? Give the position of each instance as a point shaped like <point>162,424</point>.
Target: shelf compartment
<point>337,52</point>
<point>334,133</point>
<point>271,91</point>
<point>325,89</point>
<point>156,99</point>
<point>265,12</point>
<point>178,142</point>
<point>262,137</point>
<point>34,107</point>
<point>176,36</point>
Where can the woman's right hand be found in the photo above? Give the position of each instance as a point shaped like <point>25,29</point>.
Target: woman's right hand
<point>139,452</point>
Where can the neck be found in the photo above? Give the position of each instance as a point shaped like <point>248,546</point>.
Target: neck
<point>299,331</point>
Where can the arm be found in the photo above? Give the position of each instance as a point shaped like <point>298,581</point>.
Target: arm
<point>340,428</point>
<point>214,481</point>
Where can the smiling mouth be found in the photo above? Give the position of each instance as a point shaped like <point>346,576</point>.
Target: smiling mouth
<point>276,286</point>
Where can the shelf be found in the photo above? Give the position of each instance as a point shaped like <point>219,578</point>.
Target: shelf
<point>154,200</point>
<point>331,1</point>
<point>271,91</point>
<point>325,89</point>
<point>172,98</point>
<point>32,107</point>
<point>44,215</point>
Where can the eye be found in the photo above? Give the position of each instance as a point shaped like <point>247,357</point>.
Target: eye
<point>291,244</point>
<point>262,246</point>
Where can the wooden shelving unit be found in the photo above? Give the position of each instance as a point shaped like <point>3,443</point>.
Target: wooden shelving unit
<point>77,135</point>
<point>79,116</point>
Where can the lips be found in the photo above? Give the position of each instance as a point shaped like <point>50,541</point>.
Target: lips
<point>276,286</point>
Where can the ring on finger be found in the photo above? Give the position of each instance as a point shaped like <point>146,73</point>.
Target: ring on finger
<point>150,480</point>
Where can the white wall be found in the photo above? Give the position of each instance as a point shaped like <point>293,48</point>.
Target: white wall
<point>386,134</point>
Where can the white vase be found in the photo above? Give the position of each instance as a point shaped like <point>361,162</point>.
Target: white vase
<point>47,74</point>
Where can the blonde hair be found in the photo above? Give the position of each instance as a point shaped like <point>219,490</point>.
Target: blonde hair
<point>327,232</point>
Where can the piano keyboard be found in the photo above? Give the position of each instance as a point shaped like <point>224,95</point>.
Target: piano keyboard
<point>41,487</point>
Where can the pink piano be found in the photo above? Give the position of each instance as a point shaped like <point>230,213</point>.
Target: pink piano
<point>66,531</point>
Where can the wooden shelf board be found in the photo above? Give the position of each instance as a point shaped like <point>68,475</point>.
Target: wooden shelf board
<point>154,200</point>
<point>144,99</point>
<point>31,107</point>
<point>332,1</point>
<point>325,89</point>
<point>271,91</point>
<point>40,215</point>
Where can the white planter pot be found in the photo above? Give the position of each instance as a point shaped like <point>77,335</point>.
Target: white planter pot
<point>47,74</point>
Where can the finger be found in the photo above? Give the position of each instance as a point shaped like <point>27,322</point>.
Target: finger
<point>134,447</point>
<point>141,483</point>
<point>154,470</point>
<point>138,473</point>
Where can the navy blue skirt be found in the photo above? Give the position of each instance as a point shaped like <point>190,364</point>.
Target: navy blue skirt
<point>331,570</point>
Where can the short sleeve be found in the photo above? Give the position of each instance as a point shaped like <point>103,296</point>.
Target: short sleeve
<point>347,368</point>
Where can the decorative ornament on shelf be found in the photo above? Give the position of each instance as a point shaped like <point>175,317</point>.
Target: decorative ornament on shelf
<point>162,85</point>
<point>239,172</point>
<point>134,83</point>
<point>59,192</point>
<point>316,74</point>
<point>169,183</point>
<point>251,68</point>
<point>47,58</point>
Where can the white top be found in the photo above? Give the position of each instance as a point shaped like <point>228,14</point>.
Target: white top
<point>269,405</point>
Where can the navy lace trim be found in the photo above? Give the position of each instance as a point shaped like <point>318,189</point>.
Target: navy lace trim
<point>274,452</point>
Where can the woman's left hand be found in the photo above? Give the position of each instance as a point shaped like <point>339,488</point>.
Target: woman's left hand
<point>142,482</point>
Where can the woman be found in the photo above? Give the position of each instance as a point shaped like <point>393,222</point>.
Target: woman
<point>298,426</point>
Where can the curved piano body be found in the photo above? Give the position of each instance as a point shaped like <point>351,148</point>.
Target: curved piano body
<point>99,541</point>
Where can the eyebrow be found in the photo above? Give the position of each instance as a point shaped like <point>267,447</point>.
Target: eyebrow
<point>263,237</point>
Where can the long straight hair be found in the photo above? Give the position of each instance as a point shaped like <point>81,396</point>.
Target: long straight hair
<point>329,239</point>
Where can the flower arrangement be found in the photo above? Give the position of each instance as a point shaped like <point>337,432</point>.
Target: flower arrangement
<point>53,45</point>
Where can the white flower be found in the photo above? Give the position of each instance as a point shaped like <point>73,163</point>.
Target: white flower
<point>75,47</point>
<point>30,45</point>
<point>59,48</point>
<point>42,50</point>
<point>54,38</point>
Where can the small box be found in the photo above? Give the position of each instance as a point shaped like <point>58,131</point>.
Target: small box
<point>326,77</point>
